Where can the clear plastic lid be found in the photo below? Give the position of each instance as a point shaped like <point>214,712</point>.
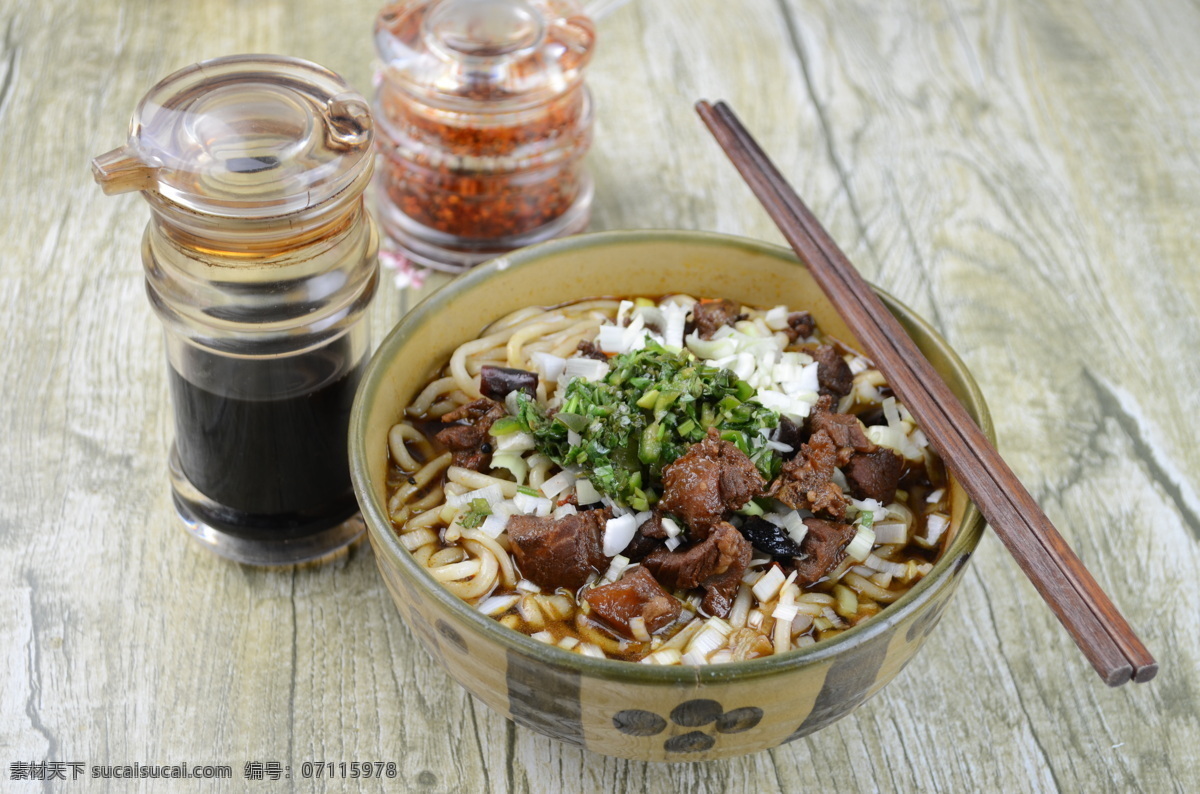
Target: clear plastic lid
<point>244,136</point>
<point>492,55</point>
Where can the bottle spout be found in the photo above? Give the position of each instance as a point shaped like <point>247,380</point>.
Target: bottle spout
<point>348,121</point>
<point>124,169</point>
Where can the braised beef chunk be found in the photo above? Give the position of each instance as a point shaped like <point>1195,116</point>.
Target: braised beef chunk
<point>470,441</point>
<point>690,566</point>
<point>824,547</point>
<point>721,589</point>
<point>476,412</point>
<point>588,350</point>
<point>805,482</point>
<point>768,537</point>
<point>649,536</point>
<point>716,564</point>
<point>561,552</point>
<point>833,373</point>
<point>843,429</point>
<point>800,326</point>
<point>709,315</point>
<point>636,594</point>
<point>708,482</point>
<point>687,566</point>
<point>740,479</point>
<point>874,475</point>
<point>497,382</point>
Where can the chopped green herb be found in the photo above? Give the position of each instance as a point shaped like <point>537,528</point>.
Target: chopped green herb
<point>653,404</point>
<point>476,513</point>
<point>866,518</point>
<point>751,508</point>
<point>525,489</point>
<point>504,426</point>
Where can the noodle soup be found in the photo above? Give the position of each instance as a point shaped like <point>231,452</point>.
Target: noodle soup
<point>670,481</point>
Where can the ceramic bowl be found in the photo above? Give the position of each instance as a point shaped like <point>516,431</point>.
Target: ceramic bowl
<point>638,711</point>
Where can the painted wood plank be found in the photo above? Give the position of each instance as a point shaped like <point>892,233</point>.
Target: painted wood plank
<point>1024,176</point>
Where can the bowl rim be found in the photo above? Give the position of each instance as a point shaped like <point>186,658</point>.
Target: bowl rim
<point>387,544</point>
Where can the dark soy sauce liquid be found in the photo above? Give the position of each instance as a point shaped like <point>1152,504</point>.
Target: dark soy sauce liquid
<point>265,440</point>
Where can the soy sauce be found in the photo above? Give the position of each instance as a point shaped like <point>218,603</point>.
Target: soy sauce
<point>265,440</point>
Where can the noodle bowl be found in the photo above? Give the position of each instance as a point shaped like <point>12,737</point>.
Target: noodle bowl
<point>650,712</point>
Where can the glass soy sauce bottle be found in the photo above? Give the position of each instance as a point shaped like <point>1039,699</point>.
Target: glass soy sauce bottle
<point>484,121</point>
<point>261,261</point>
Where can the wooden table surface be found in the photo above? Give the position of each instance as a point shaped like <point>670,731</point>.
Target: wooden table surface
<point>1026,175</point>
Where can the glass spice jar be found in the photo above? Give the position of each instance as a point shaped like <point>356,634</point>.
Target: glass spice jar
<point>484,120</point>
<point>260,260</point>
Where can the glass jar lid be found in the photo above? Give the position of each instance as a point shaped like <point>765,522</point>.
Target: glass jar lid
<point>244,136</point>
<point>484,55</point>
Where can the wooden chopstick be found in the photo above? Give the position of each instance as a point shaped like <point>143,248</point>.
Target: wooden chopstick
<point>1055,571</point>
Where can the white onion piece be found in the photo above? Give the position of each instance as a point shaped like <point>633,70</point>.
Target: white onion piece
<point>493,525</point>
<point>884,566</point>
<point>867,506</point>
<point>807,382</point>
<point>637,627</point>
<point>512,401</point>
<point>786,612</point>
<point>513,462</point>
<point>623,310</point>
<point>674,320</point>
<point>549,366</point>
<point>586,368</point>
<point>710,349</point>
<point>585,492</point>
<point>560,482</point>
<point>860,547</point>
<point>611,339</point>
<point>890,532</point>
<point>525,503</point>
<point>618,532</point>
<point>650,315</point>
<point>935,525</point>
<point>670,527</point>
<point>497,604</point>
<point>794,524</point>
<point>768,585</point>
<point>515,442</point>
<point>615,568</point>
<point>776,318</point>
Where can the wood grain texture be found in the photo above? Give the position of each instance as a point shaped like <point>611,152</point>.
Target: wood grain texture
<point>1027,176</point>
